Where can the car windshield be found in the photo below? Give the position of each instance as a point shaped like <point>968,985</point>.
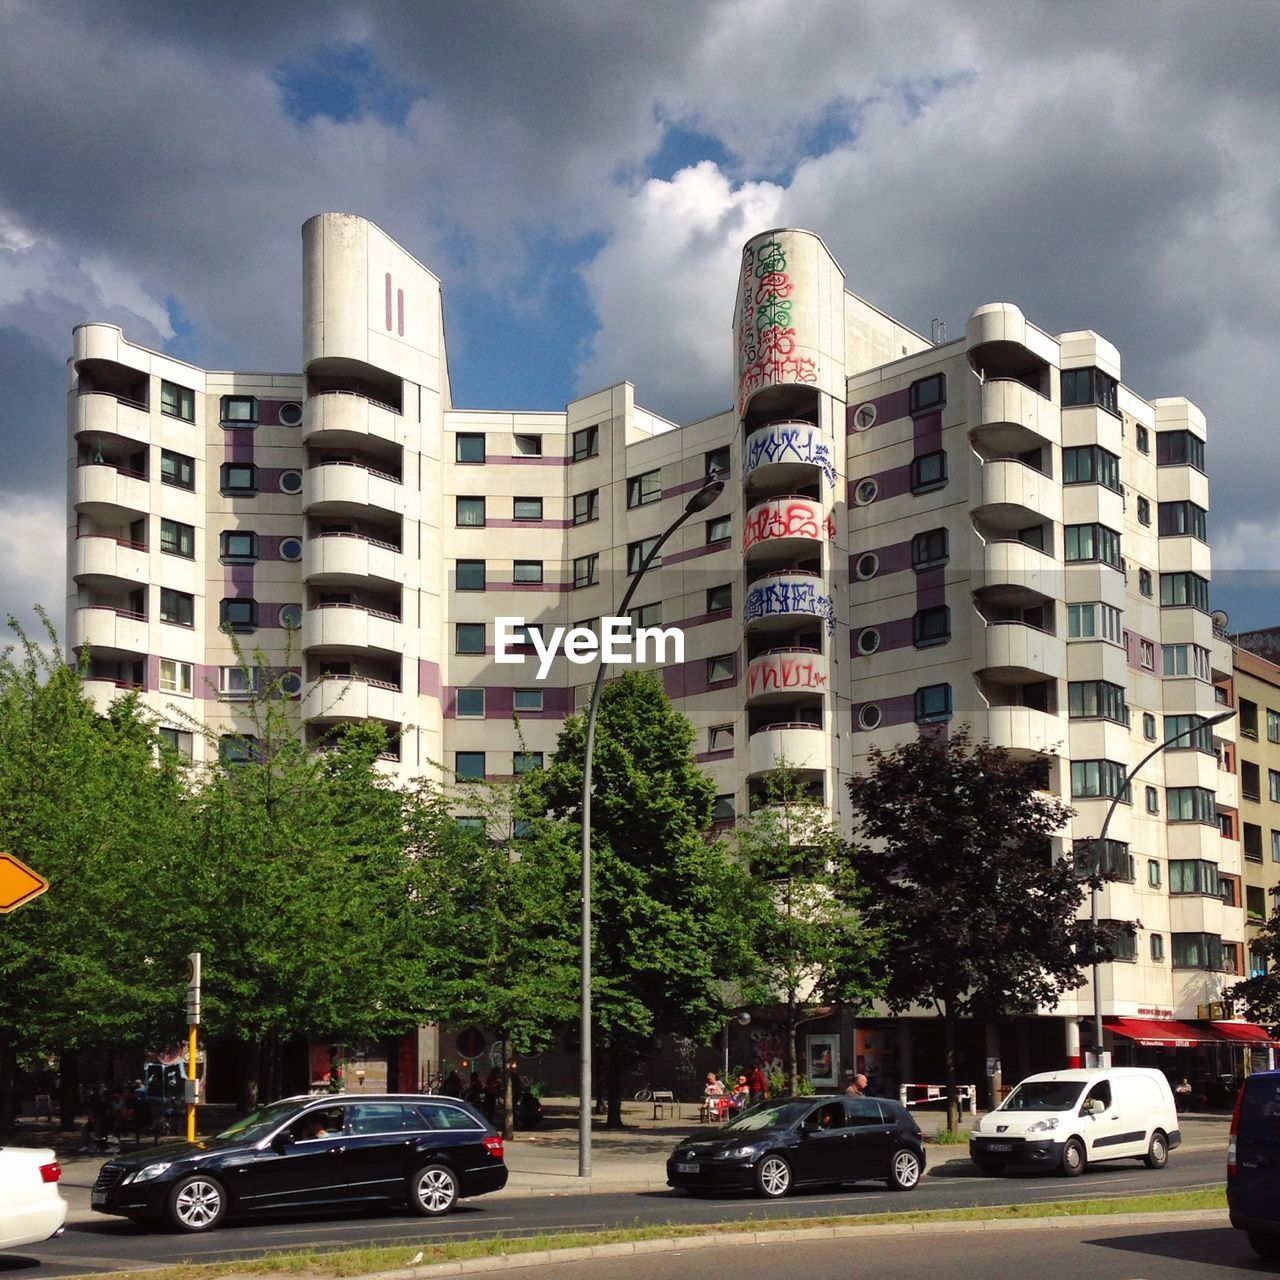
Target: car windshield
<point>257,1124</point>
<point>1043,1095</point>
<point>767,1117</point>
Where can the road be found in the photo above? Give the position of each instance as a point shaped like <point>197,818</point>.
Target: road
<point>112,1245</point>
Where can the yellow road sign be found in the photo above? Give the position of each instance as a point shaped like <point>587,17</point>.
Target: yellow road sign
<point>18,883</point>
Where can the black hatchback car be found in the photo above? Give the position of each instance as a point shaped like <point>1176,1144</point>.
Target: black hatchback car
<point>795,1142</point>
<point>312,1153</point>
<point>1253,1163</point>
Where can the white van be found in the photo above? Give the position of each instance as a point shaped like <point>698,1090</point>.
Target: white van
<point>1066,1119</point>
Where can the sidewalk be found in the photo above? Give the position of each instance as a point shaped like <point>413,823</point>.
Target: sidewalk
<point>544,1161</point>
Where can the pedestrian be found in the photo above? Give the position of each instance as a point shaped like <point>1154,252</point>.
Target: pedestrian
<point>857,1086</point>
<point>757,1086</point>
<point>492,1088</point>
<point>452,1087</point>
<point>1182,1094</point>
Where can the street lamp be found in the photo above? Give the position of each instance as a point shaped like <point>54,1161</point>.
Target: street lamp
<point>1097,856</point>
<point>700,501</point>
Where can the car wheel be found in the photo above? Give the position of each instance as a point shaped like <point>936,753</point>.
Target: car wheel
<point>904,1173</point>
<point>1265,1246</point>
<point>992,1167</point>
<point>1073,1158</point>
<point>196,1203</point>
<point>1158,1152</point>
<point>773,1177</point>
<point>433,1190</point>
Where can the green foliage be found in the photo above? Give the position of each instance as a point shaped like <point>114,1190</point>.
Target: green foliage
<point>1261,994</point>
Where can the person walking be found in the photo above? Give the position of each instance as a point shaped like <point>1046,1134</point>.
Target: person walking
<point>756,1083</point>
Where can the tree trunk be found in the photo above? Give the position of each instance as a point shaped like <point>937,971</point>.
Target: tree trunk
<point>613,1086</point>
<point>508,1095</point>
<point>789,1050</point>
<point>68,1088</point>
<point>949,1043</point>
<point>8,1088</point>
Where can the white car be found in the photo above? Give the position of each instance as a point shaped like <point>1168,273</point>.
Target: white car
<point>31,1206</point>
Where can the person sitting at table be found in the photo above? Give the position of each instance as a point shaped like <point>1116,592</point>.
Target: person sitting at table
<point>740,1094</point>
<point>713,1096</point>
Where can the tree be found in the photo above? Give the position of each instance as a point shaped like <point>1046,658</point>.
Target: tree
<point>666,929</point>
<point>1261,993</point>
<point>809,942</point>
<point>953,850</point>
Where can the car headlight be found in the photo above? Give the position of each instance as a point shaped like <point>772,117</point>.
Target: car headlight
<point>1042,1126</point>
<point>977,1128</point>
<point>744,1151</point>
<point>147,1172</point>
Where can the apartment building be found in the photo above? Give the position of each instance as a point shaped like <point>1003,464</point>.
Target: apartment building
<point>993,531</point>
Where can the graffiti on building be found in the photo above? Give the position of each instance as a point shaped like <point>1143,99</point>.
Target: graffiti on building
<point>790,442</point>
<point>794,518</point>
<point>786,671</point>
<point>767,1048</point>
<point>789,597</point>
<point>766,335</point>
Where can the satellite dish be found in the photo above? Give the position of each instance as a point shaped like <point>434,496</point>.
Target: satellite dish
<point>1220,619</point>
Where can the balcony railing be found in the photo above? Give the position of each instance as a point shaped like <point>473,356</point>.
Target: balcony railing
<point>361,537</point>
<point>372,471</point>
<point>360,395</point>
<point>362,608</point>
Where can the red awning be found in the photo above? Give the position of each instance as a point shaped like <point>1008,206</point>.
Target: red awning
<point>1163,1035</point>
<point>1248,1032</point>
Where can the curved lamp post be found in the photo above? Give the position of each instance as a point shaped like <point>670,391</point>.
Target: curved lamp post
<point>1101,840</point>
<point>700,501</point>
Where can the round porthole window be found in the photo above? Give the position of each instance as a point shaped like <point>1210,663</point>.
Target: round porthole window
<point>866,566</point>
<point>864,492</point>
<point>868,640</point>
<point>290,548</point>
<point>869,716</point>
<point>864,416</point>
<point>291,616</point>
<point>289,414</point>
<point>291,482</point>
<point>291,684</point>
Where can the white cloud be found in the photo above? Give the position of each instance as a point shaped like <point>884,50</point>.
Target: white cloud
<point>32,560</point>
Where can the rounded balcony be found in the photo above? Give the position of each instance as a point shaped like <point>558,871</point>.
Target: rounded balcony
<point>785,528</point>
<point>333,628</point>
<point>347,559</point>
<point>1017,574</point>
<point>1011,412</point>
<point>95,556</point>
<point>1019,653</point>
<point>109,493</point>
<point>112,634</point>
<point>781,674</point>
<point>1015,494</point>
<point>99,413</point>
<point>787,454</point>
<point>798,745</point>
<point>349,488</point>
<point>1024,731</point>
<point>348,419</point>
<point>776,601</point>
<point>353,698</point>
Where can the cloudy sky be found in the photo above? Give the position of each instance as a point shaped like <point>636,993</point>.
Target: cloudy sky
<point>582,175</point>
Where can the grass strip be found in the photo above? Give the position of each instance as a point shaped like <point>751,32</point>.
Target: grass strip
<point>359,1262</point>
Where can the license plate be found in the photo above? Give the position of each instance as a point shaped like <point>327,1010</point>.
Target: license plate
<point>999,1146</point>
<point>98,1197</point>
<point>687,1168</point>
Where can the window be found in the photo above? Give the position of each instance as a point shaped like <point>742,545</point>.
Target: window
<point>586,443</point>
<point>720,737</point>
<point>526,508</point>
<point>1255,902</point>
<point>239,615</point>
<point>468,637</point>
<point>1092,542</point>
<point>1153,800</point>
<point>468,575</point>
<point>177,469</point>
<point>725,809</point>
<point>470,704</point>
<point>719,529</point>
<point>866,566</point>
<point>641,490</point>
<point>239,477</point>
<point>1179,449</point>
<point>528,572</point>
<point>1147,654</point>
<point>932,626</point>
<point>177,740</point>
<point>1197,951</point>
<point>526,700</point>
<point>1157,947</point>
<point>1248,719</point>
<point>1188,733</point>
<point>237,749</point>
<point>523,634</point>
<point>1194,875</point>
<point>1273,725</point>
<point>1142,438</point>
<point>238,682</point>
<point>1257,963</point>
<point>929,472</point>
<point>526,762</point>
<point>177,607</point>
<point>586,571</point>
<point>586,506</point>
<point>290,549</point>
<point>1093,621</point>
<point>177,539</point>
<point>928,393</point>
<point>1089,386</point>
<point>1250,780</point>
<point>239,546</point>
<point>1183,519</point>
<point>468,766</point>
<point>645,615</point>
<point>1091,464</point>
<point>1107,858</point>
<point>1144,511</point>
<point>468,447</point>
<point>1178,589</point>
<point>1148,726</point>
<point>1124,944</point>
<point>1227,825</point>
<point>1091,778</point>
<point>469,513</point>
<point>720,598</point>
<point>175,677</point>
<point>177,402</point>
<point>528,446</point>
<point>1144,582</point>
<point>1190,804</point>
<point>1186,660</point>
<point>717,460</point>
<point>1275,846</point>
<point>865,491</point>
<point>720,668</point>
<point>1153,873</point>
<point>239,411</point>
<point>933,703</point>
<point>1096,699</point>
<point>637,551</point>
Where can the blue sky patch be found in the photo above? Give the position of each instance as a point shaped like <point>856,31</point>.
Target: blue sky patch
<point>684,148</point>
<point>341,83</point>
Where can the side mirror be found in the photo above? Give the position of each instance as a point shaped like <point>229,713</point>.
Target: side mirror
<point>1094,1107</point>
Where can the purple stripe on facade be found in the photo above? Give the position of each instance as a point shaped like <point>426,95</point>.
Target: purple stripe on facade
<point>269,478</point>
<point>931,588</point>
<point>706,757</point>
<point>893,558</point>
<point>238,444</point>
<point>388,289</point>
<point>269,544</point>
<point>898,633</point>
<point>897,404</point>
<point>702,619</point>
<point>709,550</point>
<point>900,709</point>
<point>892,483</point>
<point>554,587</point>
<point>499,703</point>
<point>496,459</point>
<point>237,579</point>
<point>689,486</point>
<point>688,679</point>
<point>926,430</point>
<point>269,411</point>
<point>522,524</point>
<point>428,678</point>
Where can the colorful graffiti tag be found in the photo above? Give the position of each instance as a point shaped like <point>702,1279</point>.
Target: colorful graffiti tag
<point>789,442</point>
<point>766,335</point>
<point>789,596</point>
<point>786,518</point>
<point>786,671</point>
